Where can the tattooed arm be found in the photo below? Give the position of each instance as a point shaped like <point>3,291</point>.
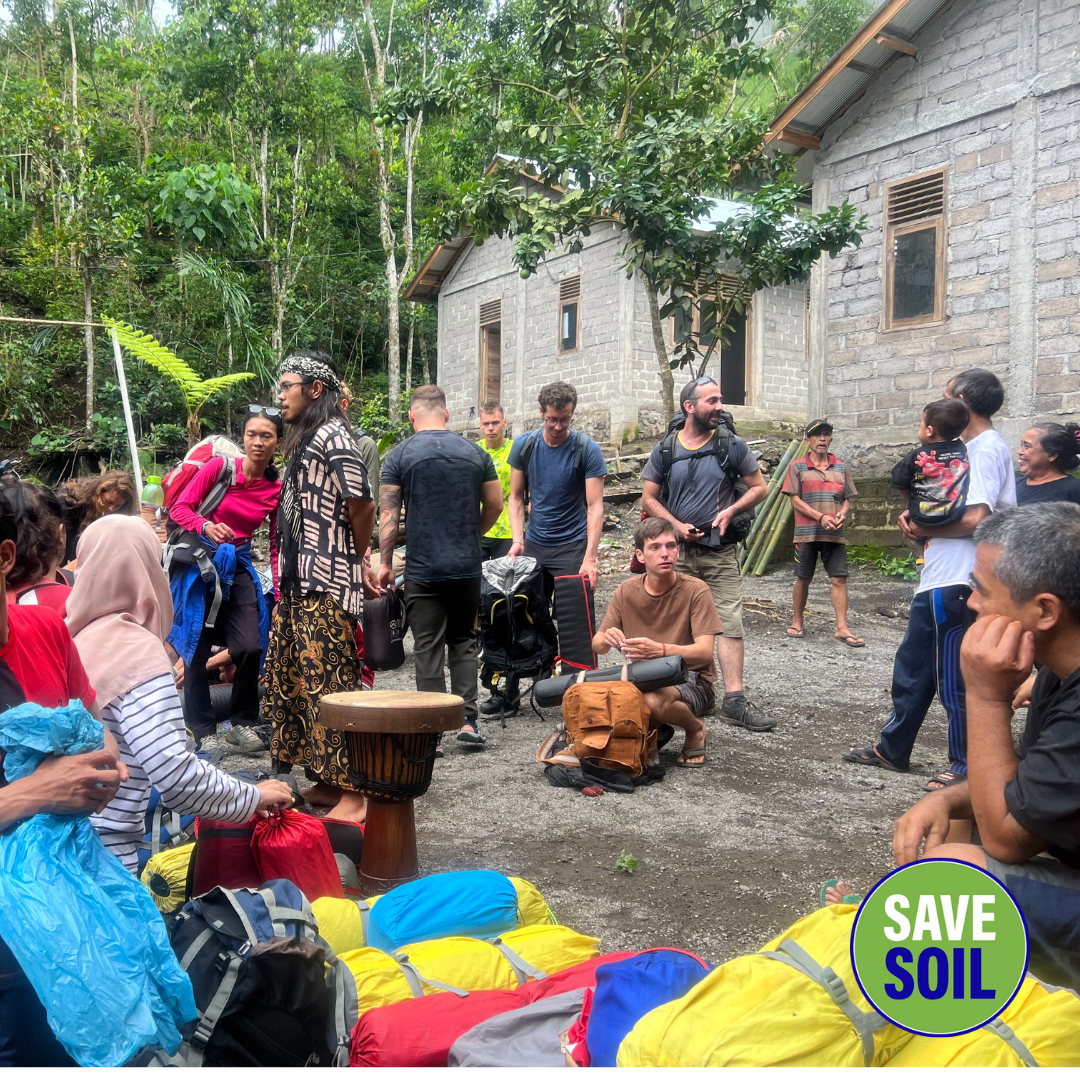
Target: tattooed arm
<point>389,513</point>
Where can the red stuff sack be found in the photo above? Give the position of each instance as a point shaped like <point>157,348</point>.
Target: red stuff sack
<point>295,847</point>
<point>419,1032</point>
<point>222,857</point>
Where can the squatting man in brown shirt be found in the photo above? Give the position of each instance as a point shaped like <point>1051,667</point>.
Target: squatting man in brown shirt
<point>664,613</point>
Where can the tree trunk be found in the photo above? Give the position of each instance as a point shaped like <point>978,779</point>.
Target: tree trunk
<point>409,351</point>
<point>425,370</point>
<point>667,380</point>
<point>228,363</point>
<point>88,315</point>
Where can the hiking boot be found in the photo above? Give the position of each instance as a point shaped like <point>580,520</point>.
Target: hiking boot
<point>739,712</point>
<point>245,740</point>
<point>497,705</point>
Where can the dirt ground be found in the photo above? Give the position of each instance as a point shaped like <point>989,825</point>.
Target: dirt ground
<point>729,855</point>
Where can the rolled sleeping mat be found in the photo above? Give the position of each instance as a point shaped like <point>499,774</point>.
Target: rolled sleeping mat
<point>645,675</point>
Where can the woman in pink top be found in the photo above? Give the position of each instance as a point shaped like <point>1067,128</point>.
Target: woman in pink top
<point>250,500</point>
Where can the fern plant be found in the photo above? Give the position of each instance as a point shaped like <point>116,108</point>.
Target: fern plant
<point>195,390</point>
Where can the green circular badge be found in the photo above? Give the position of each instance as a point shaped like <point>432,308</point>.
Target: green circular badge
<point>939,947</point>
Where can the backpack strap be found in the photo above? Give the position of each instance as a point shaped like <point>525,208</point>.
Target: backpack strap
<point>195,948</point>
<point>279,916</point>
<point>1013,1041</point>
<point>212,1014</point>
<point>529,445</point>
<point>343,1006</point>
<point>365,914</point>
<point>865,1024</point>
<point>414,978</point>
<point>523,970</point>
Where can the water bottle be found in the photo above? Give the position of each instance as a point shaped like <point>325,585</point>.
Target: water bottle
<point>153,493</point>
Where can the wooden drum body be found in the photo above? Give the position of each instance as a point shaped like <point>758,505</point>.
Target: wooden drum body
<point>391,737</point>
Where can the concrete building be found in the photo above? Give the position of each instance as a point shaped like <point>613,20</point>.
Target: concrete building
<point>580,318</point>
<point>954,126</point>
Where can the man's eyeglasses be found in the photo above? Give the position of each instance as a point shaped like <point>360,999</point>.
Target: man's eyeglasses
<point>267,409</point>
<point>285,387</point>
<point>558,423</point>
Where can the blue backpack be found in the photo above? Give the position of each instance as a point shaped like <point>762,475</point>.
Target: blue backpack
<point>269,990</point>
<point>628,989</point>
<point>469,903</point>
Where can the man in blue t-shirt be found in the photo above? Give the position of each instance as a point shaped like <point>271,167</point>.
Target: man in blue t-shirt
<point>565,492</point>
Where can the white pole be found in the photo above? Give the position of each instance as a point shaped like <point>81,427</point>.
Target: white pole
<point>118,353</point>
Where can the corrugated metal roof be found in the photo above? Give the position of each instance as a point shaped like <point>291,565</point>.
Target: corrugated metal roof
<point>884,37</point>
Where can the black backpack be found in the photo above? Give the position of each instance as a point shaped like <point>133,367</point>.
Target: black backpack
<point>516,629</point>
<point>720,448</point>
<point>258,969</point>
<point>528,445</point>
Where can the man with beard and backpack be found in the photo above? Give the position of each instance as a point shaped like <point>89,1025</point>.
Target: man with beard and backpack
<point>690,480</point>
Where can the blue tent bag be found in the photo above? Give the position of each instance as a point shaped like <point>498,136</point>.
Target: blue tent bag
<point>85,932</point>
<point>628,989</point>
<point>468,903</point>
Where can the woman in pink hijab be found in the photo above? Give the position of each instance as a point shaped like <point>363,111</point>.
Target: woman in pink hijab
<point>119,612</point>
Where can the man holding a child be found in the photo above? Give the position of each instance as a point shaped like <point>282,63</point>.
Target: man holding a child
<point>928,660</point>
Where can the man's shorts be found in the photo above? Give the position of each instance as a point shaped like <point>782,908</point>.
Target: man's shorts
<point>1048,893</point>
<point>720,571</point>
<point>697,694</point>
<point>833,558</point>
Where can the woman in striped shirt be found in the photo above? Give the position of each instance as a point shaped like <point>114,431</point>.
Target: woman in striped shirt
<point>119,612</point>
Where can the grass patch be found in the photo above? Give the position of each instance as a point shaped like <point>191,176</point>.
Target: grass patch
<point>880,559</point>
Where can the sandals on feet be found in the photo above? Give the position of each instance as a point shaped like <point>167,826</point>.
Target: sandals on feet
<point>850,898</point>
<point>945,778</point>
<point>866,755</point>
<point>796,631</point>
<point>851,640</point>
<point>692,751</point>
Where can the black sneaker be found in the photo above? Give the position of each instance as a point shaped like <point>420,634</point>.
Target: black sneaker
<point>471,736</point>
<point>739,712</point>
<point>497,705</point>
<point>439,750</point>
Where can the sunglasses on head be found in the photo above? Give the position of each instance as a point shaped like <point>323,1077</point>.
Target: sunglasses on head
<point>267,409</point>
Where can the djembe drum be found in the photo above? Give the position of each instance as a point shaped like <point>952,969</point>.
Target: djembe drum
<point>391,737</point>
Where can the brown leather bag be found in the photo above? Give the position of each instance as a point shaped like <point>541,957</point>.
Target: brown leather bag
<point>608,724</point>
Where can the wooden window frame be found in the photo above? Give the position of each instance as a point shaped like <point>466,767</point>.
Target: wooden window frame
<point>493,317</point>
<point>560,351</point>
<point>938,221</point>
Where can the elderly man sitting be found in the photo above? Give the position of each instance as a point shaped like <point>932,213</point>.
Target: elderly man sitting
<point>664,613</point>
<point>1018,813</point>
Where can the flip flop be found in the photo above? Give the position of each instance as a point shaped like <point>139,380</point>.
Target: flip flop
<point>851,640</point>
<point>794,631</point>
<point>692,751</point>
<point>851,898</point>
<point>865,755</point>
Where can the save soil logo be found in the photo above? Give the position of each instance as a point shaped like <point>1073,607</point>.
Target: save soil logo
<point>939,947</point>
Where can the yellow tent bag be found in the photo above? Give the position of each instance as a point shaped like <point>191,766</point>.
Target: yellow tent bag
<point>165,875</point>
<point>459,964</point>
<point>342,923</point>
<point>1040,1027</point>
<point>796,1002</point>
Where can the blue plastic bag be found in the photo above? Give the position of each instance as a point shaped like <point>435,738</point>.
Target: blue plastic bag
<point>466,903</point>
<point>85,932</point>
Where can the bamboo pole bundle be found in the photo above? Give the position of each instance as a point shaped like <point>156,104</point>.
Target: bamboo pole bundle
<point>774,538</point>
<point>771,508</point>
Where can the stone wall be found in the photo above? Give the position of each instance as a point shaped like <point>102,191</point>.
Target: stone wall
<point>994,98</point>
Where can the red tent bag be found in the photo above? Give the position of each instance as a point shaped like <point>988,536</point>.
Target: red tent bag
<point>223,856</point>
<point>295,846</point>
<point>420,1032</point>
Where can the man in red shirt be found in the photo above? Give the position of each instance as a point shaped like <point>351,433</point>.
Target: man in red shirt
<point>821,491</point>
<point>39,663</point>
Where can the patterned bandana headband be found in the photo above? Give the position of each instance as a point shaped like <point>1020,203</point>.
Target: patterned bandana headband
<point>307,368</point>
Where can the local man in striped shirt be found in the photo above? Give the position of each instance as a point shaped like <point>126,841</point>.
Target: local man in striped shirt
<point>821,491</point>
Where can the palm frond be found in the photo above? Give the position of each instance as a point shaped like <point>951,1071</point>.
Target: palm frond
<point>150,351</point>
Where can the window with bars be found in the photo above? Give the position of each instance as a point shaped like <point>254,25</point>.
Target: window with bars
<point>491,350</point>
<point>915,247</point>
<point>569,313</point>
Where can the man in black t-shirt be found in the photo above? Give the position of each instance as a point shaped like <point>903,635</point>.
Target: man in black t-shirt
<point>452,497</point>
<point>1026,591</point>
